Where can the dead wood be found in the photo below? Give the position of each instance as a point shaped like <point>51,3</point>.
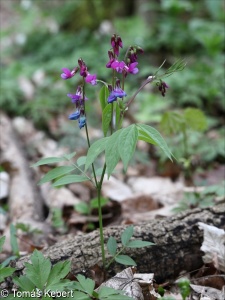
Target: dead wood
<point>178,240</point>
<point>24,202</point>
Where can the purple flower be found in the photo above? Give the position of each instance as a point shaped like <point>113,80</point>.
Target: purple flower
<point>82,121</point>
<point>116,92</point>
<point>67,73</point>
<point>162,87</point>
<point>132,68</point>
<point>91,79</point>
<point>118,66</point>
<point>116,42</point>
<point>78,96</point>
<point>75,115</point>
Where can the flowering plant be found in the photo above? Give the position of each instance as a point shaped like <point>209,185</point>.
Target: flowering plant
<point>118,143</point>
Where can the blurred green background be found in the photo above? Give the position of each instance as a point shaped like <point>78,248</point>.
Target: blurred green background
<point>39,37</point>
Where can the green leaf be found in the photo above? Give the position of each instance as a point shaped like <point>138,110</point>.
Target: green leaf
<point>103,96</point>
<point>95,149</point>
<point>6,272</point>
<point>127,143</point>
<point>58,272</point>
<point>39,270</point>
<point>111,294</point>
<point>87,284</point>
<point>7,261</point>
<point>2,241</point>
<point>24,283</point>
<point>82,208</point>
<point>77,295</point>
<point>172,122</point>
<point>94,202</point>
<point>154,135</point>
<point>13,240</point>
<point>69,156</point>
<point>70,179</point>
<point>48,160</point>
<point>139,244</point>
<point>81,161</point>
<point>106,118</point>
<point>125,260</point>
<point>127,234</point>
<point>56,172</point>
<point>195,119</point>
<point>112,245</point>
<point>111,152</point>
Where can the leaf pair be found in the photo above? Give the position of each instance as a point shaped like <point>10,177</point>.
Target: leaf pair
<point>127,243</point>
<point>59,172</point>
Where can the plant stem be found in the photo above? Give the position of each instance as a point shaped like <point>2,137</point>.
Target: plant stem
<point>115,257</point>
<point>101,225</point>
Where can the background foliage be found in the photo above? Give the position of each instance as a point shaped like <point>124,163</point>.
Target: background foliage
<point>41,37</point>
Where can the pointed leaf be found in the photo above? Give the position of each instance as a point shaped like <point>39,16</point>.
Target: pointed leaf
<point>106,118</point>
<point>103,96</point>
<point>87,284</point>
<point>59,271</point>
<point>70,179</point>
<point>125,260</point>
<point>111,152</point>
<point>48,160</point>
<point>81,161</point>
<point>69,156</point>
<point>154,135</point>
<point>24,283</point>
<point>39,270</point>
<point>127,234</point>
<point>139,244</point>
<point>6,272</point>
<point>112,245</point>
<point>56,172</point>
<point>127,143</point>
<point>95,149</point>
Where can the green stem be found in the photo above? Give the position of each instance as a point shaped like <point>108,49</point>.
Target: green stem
<point>101,225</point>
<point>89,145</point>
<point>115,257</point>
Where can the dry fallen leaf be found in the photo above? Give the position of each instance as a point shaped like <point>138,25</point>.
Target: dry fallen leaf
<point>211,293</point>
<point>213,246</point>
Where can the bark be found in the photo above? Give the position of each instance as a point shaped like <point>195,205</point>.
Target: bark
<point>178,240</point>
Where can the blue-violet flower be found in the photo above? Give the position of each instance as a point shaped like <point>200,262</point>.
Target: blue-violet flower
<point>116,92</point>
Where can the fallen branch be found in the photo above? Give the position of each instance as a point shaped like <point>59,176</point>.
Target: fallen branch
<point>178,240</point>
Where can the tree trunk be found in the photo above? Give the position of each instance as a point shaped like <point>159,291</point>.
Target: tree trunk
<point>177,245</point>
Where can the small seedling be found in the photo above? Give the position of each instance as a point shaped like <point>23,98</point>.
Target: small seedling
<point>127,242</point>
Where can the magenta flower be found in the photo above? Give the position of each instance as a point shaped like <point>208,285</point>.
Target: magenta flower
<point>118,66</point>
<point>67,73</point>
<point>91,79</point>
<point>116,92</point>
<point>83,68</point>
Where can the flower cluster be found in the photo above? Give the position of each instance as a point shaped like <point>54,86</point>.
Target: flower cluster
<point>123,68</point>
<point>79,98</point>
<point>130,66</point>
